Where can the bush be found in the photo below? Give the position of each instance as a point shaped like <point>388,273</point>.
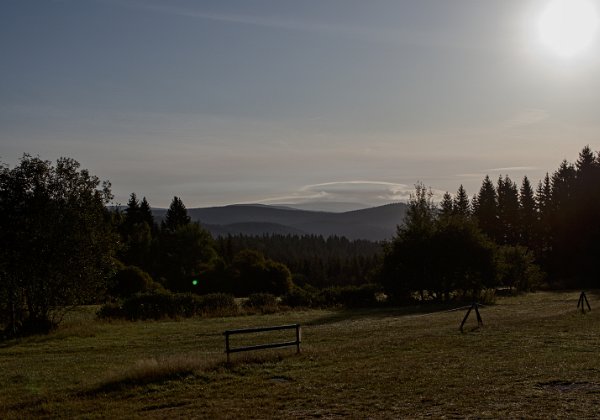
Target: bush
<point>169,305</point>
<point>516,269</point>
<point>263,302</point>
<point>131,280</point>
<point>301,297</point>
<point>218,304</point>
<point>259,300</point>
<point>111,311</point>
<point>350,296</point>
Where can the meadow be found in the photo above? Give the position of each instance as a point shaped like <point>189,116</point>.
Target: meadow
<point>536,356</point>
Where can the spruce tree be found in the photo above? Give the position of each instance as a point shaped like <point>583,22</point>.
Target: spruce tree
<point>527,214</point>
<point>462,207</point>
<point>176,216</point>
<point>132,212</point>
<point>508,211</point>
<point>485,209</point>
<point>146,213</point>
<point>446,207</point>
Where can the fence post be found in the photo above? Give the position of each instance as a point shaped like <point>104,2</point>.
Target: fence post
<point>227,344</point>
<point>298,338</point>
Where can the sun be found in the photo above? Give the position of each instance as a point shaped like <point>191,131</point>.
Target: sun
<point>568,27</point>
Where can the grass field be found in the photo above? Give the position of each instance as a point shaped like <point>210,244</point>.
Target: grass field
<point>535,356</point>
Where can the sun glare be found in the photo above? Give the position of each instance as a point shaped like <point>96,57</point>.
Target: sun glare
<point>568,27</point>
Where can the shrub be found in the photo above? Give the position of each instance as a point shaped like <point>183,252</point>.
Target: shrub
<point>350,296</point>
<point>257,300</point>
<point>111,310</point>
<point>131,280</point>
<point>300,297</point>
<point>169,305</point>
<point>517,269</point>
<point>217,303</point>
<point>263,302</point>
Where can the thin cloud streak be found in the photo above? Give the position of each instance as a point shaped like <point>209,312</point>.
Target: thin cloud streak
<point>357,191</point>
<point>373,34</point>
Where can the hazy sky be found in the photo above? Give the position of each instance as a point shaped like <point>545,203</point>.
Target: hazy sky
<point>223,102</point>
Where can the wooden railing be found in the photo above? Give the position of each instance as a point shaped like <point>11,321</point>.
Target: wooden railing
<point>296,343</point>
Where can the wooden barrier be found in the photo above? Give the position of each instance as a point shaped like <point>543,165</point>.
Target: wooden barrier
<point>229,350</point>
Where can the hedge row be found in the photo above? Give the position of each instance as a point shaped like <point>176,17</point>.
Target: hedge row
<point>169,305</point>
<point>346,296</point>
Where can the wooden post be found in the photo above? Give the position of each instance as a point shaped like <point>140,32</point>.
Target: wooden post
<point>298,338</point>
<point>475,306</point>
<point>583,299</point>
<point>465,319</point>
<point>227,344</point>
<point>296,342</point>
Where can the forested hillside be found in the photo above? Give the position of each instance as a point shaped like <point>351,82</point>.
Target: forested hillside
<point>63,246</point>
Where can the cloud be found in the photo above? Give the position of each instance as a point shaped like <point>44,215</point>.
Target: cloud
<point>366,192</point>
<point>394,35</point>
<point>513,169</point>
<point>526,118</point>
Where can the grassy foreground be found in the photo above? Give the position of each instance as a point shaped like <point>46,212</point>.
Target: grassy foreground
<point>536,356</point>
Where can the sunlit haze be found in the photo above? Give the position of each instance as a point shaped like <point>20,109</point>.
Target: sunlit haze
<point>275,101</point>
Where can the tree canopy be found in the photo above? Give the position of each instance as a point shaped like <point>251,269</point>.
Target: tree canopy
<point>56,238</point>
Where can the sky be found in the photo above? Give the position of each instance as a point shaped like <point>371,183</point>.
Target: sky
<point>286,101</point>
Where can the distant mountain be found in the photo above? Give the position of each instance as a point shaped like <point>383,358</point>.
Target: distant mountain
<point>376,223</point>
<point>328,206</point>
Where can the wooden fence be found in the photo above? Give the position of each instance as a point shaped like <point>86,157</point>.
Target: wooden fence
<point>296,343</point>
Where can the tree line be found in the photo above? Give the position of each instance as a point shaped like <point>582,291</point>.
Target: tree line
<point>63,245</point>
<point>506,235</point>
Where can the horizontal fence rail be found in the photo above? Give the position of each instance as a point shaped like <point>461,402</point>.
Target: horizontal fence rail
<point>228,333</point>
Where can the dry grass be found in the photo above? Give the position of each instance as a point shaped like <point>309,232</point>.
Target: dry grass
<point>535,357</point>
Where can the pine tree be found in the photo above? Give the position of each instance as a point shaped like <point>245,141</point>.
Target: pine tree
<point>508,211</point>
<point>543,203</point>
<point>146,213</point>
<point>176,216</point>
<point>446,207</point>
<point>485,209</point>
<point>527,214</point>
<point>132,212</point>
<point>462,207</point>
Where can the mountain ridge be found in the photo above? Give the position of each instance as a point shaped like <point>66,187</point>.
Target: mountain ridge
<point>373,223</point>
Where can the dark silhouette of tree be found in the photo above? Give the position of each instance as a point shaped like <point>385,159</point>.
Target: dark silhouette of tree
<point>253,273</point>
<point>485,209</point>
<point>436,254</point>
<point>544,235</point>
<point>183,253</point>
<point>528,217</point>
<point>146,213</point>
<point>176,216</point>
<point>508,212</point>
<point>446,206</point>
<point>407,262</point>
<point>132,212</point>
<point>462,207</point>
<point>56,239</point>
<point>136,232</point>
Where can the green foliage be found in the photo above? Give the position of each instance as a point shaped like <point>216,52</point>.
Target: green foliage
<point>56,239</point>
<point>313,260</point>
<point>176,216</point>
<point>350,296</point>
<point>158,305</point>
<point>183,253</point>
<point>436,253</point>
<point>218,304</point>
<point>263,302</point>
<point>131,280</point>
<point>300,297</point>
<point>517,269</point>
<point>253,273</point>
